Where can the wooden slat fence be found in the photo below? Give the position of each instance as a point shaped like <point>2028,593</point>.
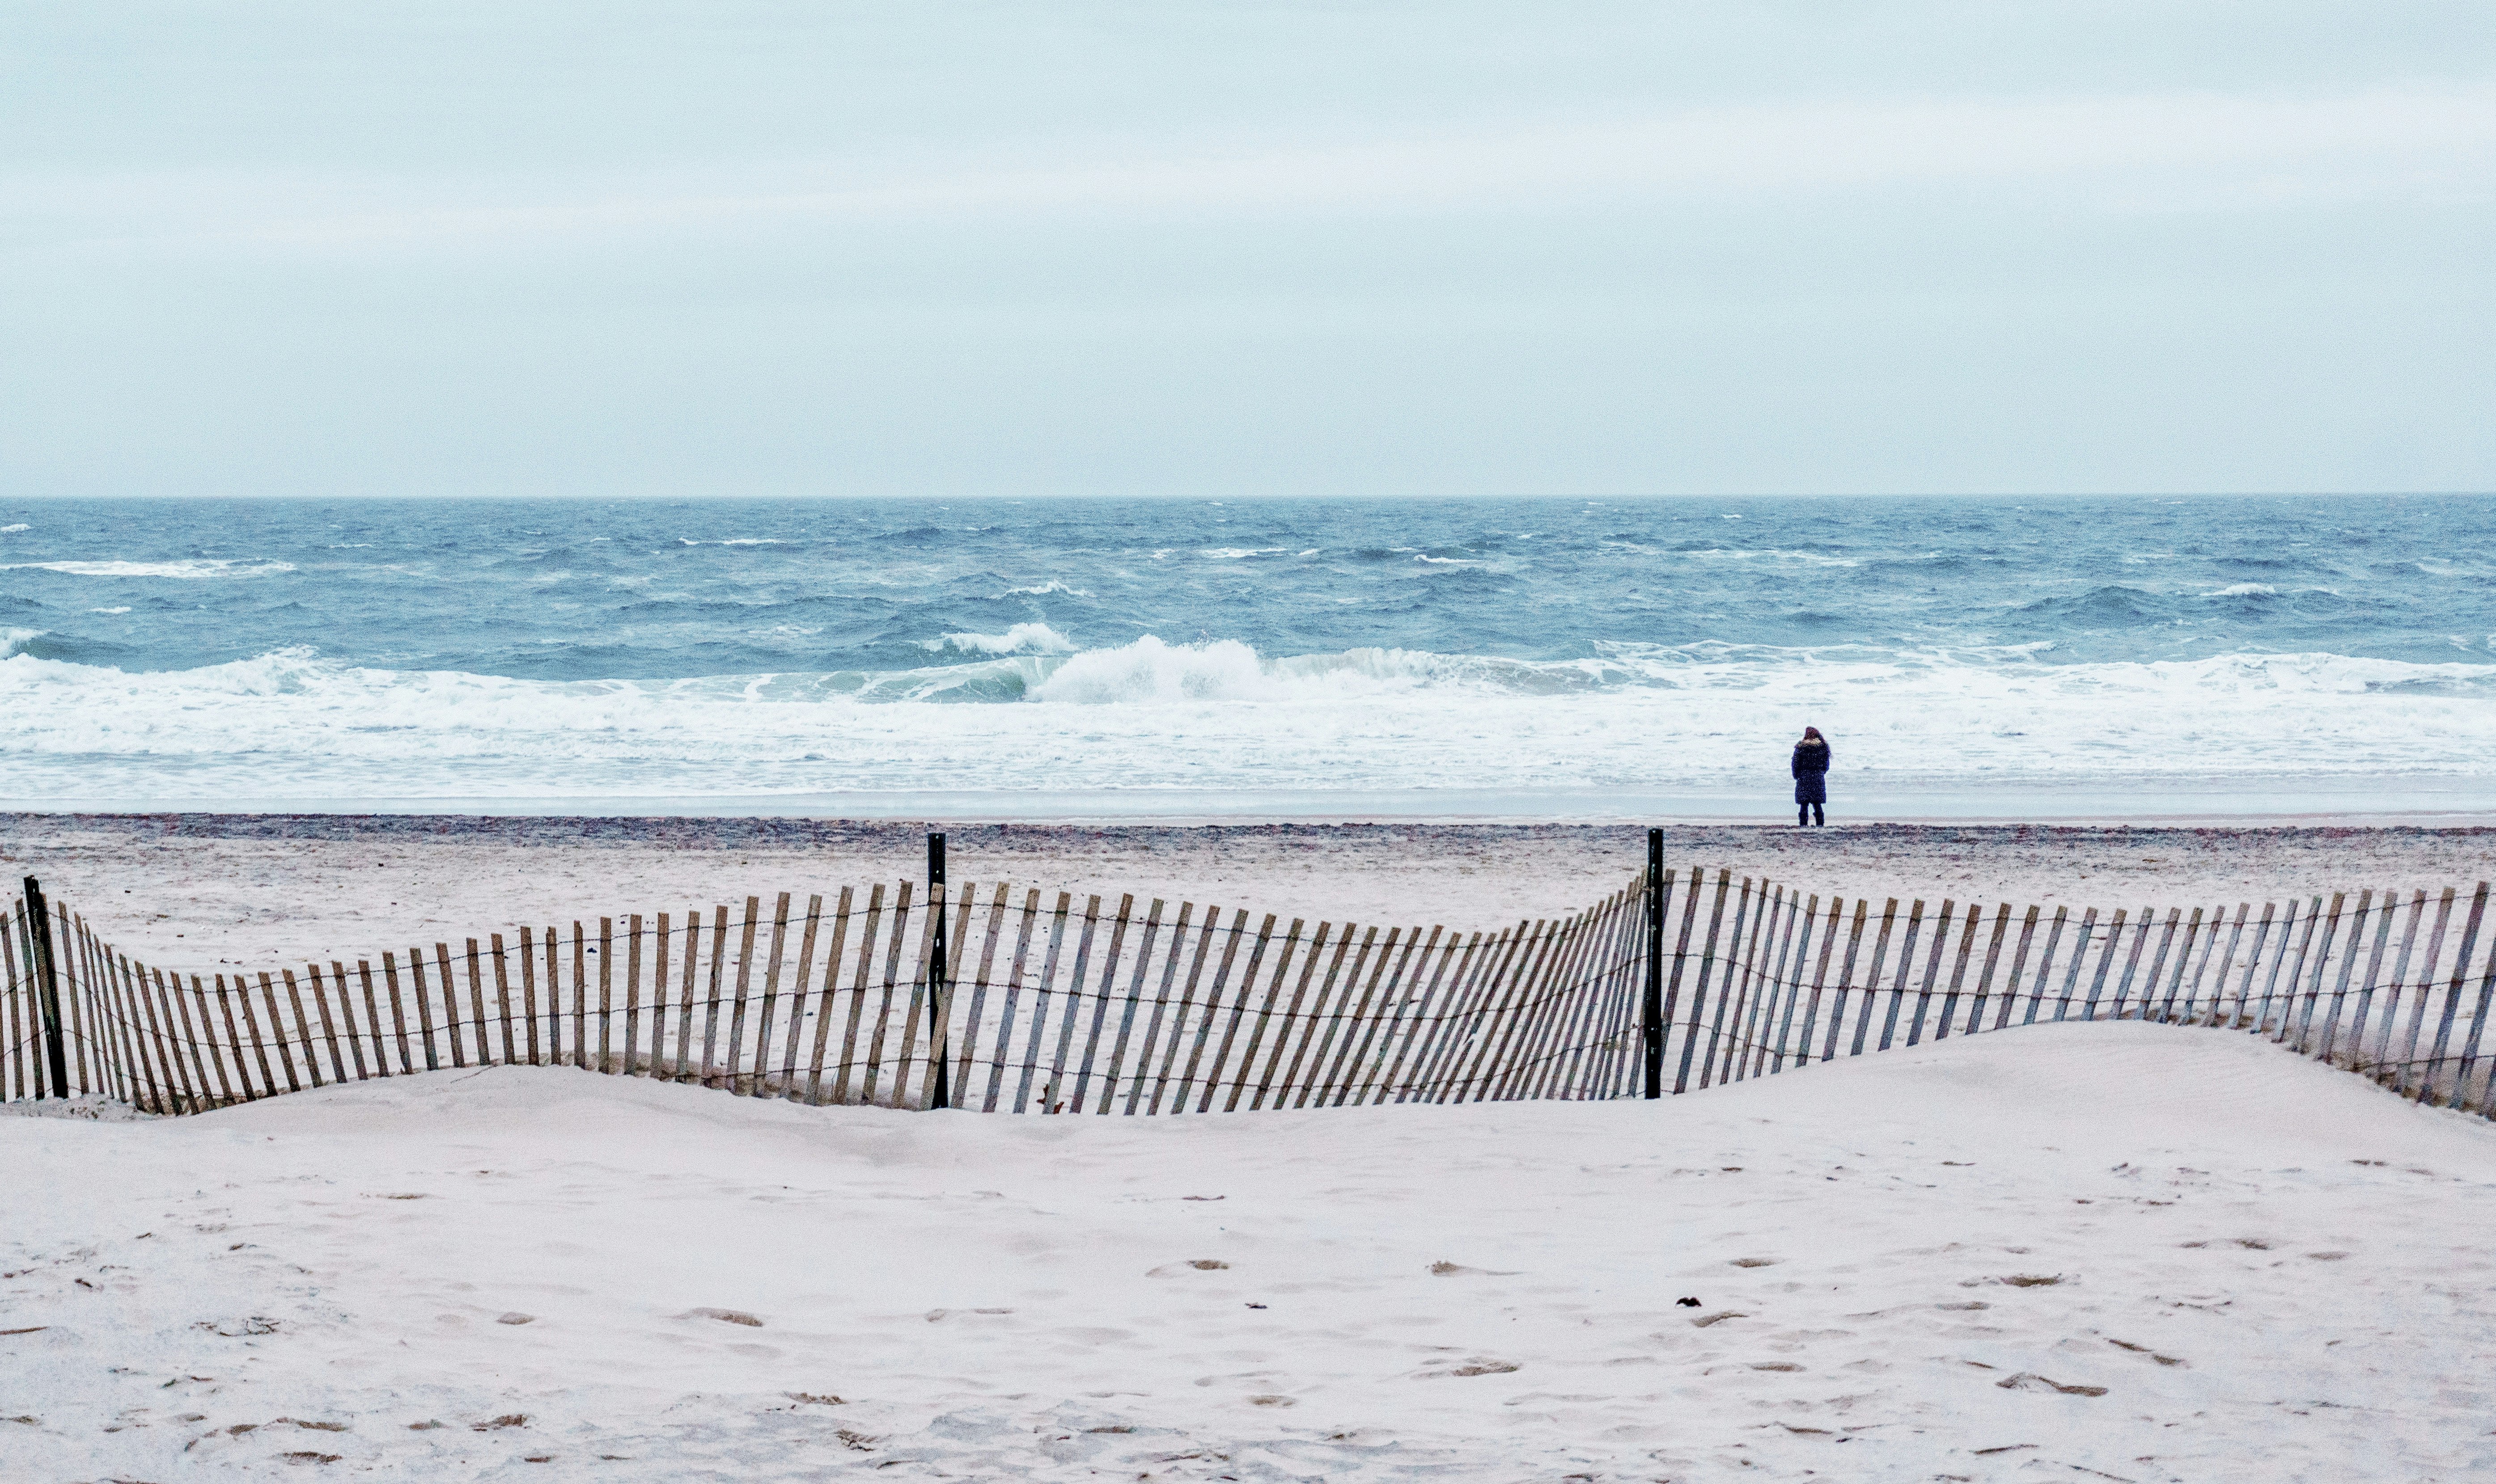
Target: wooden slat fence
<point>1055,1006</point>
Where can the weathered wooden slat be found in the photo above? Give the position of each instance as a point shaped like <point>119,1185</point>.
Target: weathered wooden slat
<point>1742,959</point>
<point>194,1059</point>
<point>1782,975</point>
<point>2107,957</point>
<point>660,938</point>
<point>199,1037</point>
<point>449,1000</point>
<point>502,995</point>
<point>2313,991</point>
<point>1026,920</point>
<point>2225,958</point>
<point>359,1033</point>
<point>1069,1009</point>
<point>178,1096</point>
<point>302,1027</point>
<point>1871,999</point>
<point>1551,1006</point>
<point>1220,1072</point>
<point>2405,1060</point>
<point>1161,1010</point>
<point>1984,977</point>
<point>1813,924</point>
<point>1907,964</point>
<point>1408,992</point>
<point>1127,1007</point>
<point>2459,1097</point>
<point>801,997</point>
<point>827,1001</point>
<point>2389,909</point>
<point>1453,1023</point>
<point>328,1029</point>
<point>2236,1019</point>
<point>1291,948</point>
<point>251,1027</point>
<point>1506,985</point>
<point>220,1052</point>
<point>1680,952</point>
<point>577,1053</point>
<point>1180,1015</point>
<point>1361,1024</point>
<point>528,989</point>
<point>1430,1014</point>
<point>1525,974</point>
<point>1290,1022</point>
<point>2086,940</point>
<point>2340,990</point>
<point>1698,990</point>
<point>1844,979</point>
<point>965,1093</point>
<point>2453,995</point>
<point>1102,994</point>
<point>732,1073</point>
<point>896,933</point>
<point>1205,1018</point>
<point>1325,1018</point>
<point>88,959</point>
<point>714,996</point>
<point>1604,1031</point>
<point>1571,1056</point>
<point>2140,939</point>
<point>1036,1044</point>
<point>607,995</point>
<point>2271,982</point>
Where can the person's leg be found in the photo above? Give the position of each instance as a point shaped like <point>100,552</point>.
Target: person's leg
<point>1820,814</point>
<point>1803,815</point>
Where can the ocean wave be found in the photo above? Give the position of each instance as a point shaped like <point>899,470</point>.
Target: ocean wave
<point>1021,640</point>
<point>1218,715</point>
<point>15,641</point>
<point>1239,553</point>
<point>740,541</point>
<point>192,570</point>
<point>11,530</point>
<point>1053,585</point>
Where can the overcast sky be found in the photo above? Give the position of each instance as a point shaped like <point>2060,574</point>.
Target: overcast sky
<point>1162,247</point>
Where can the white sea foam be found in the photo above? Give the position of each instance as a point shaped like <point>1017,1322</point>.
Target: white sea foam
<point>2247,590</point>
<point>1239,553</point>
<point>11,530</point>
<point>1053,585</point>
<point>12,640</point>
<point>124,608</point>
<point>199,567</point>
<point>1021,640</point>
<point>1218,716</point>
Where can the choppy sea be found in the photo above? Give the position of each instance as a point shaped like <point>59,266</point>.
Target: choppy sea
<point>1067,657</point>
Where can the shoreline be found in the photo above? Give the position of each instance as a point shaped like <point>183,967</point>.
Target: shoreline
<point>202,891</point>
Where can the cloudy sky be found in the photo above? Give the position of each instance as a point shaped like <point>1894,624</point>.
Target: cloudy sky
<point>1162,247</point>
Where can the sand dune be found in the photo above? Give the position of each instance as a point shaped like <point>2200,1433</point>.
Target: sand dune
<point>2136,1251</point>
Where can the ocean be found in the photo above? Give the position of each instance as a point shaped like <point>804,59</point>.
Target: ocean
<point>1056,659</point>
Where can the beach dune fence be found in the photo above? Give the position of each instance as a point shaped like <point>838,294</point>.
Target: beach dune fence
<point>1003,998</point>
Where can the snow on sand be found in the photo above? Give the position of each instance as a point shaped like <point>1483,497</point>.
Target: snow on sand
<point>2068,1252</point>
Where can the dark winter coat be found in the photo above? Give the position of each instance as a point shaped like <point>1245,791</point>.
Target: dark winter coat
<point>1811,772</point>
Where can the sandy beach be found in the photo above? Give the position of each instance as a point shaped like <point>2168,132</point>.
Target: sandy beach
<point>204,890</point>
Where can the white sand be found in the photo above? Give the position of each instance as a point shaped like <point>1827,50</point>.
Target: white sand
<point>200,891</point>
<point>2071,1251</point>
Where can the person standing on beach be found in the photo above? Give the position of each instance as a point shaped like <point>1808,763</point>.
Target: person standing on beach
<point>1811,778</point>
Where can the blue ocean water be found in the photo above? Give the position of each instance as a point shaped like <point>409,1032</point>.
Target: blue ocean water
<point>1064,657</point>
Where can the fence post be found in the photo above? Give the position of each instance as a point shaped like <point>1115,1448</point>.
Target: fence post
<point>1652,1009</point>
<point>47,986</point>
<point>942,1094</point>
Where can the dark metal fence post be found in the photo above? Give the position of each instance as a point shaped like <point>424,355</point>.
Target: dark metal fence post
<point>1651,1014</point>
<point>47,986</point>
<point>942,1096</point>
